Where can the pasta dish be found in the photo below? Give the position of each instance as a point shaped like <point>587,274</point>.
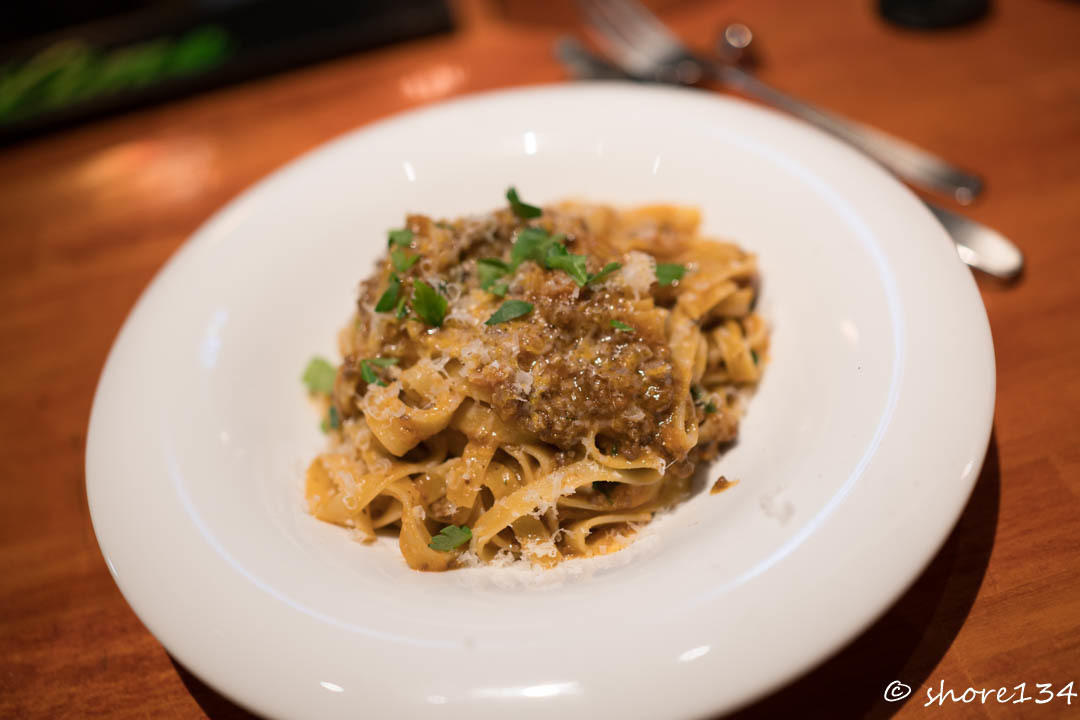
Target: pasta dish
<point>534,384</point>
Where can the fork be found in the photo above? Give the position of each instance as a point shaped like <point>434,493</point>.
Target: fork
<point>645,48</point>
<point>979,246</point>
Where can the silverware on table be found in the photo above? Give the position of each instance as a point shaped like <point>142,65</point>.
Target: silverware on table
<point>980,247</point>
<point>644,47</point>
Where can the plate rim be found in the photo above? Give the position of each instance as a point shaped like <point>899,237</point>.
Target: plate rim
<point>218,224</point>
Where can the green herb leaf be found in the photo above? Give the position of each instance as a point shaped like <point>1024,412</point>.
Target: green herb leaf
<point>548,251</point>
<point>494,264</point>
<point>428,304</point>
<point>402,311</point>
<point>522,210</point>
<point>621,326</point>
<point>667,273</point>
<point>753,356</point>
<point>389,298</point>
<point>531,244</point>
<point>489,270</point>
<point>697,393</point>
<point>319,375</point>
<point>559,258</point>
<point>500,289</point>
<point>402,237</point>
<point>450,537</point>
<point>369,375</point>
<point>710,407</point>
<point>402,260</point>
<point>604,272</point>
<point>509,310</point>
<point>332,420</point>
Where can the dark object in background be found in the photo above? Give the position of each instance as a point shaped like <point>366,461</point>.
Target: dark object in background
<point>927,14</point>
<point>64,61</point>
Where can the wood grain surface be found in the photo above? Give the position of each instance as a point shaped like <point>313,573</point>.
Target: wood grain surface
<point>89,215</point>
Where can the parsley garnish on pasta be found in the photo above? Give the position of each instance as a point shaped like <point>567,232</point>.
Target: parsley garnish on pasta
<point>401,238</point>
<point>319,375</point>
<point>428,304</point>
<point>389,298</point>
<point>522,210</point>
<point>402,260</point>
<point>668,273</point>
<point>509,310</point>
<point>332,421</point>
<point>450,537</point>
<point>604,272</point>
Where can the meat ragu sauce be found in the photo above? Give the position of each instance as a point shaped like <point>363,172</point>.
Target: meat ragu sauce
<point>564,372</point>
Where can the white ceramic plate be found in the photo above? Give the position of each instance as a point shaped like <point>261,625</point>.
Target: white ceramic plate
<point>857,455</point>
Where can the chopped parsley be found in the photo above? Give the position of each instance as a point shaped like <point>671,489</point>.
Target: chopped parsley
<point>450,537</point>
<point>710,407</point>
<point>332,421</point>
<point>531,244</point>
<point>621,326</point>
<point>428,304</point>
<point>522,210</point>
<point>548,251</point>
<point>509,310</point>
<point>558,257</point>
<point>604,272</point>
<point>319,375</point>
<point>402,237</point>
<point>489,271</point>
<point>369,375</point>
<point>389,298</point>
<point>402,311</point>
<point>669,273</point>
<point>753,356</point>
<point>402,260</point>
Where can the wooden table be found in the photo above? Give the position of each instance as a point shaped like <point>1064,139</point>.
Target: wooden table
<point>88,216</point>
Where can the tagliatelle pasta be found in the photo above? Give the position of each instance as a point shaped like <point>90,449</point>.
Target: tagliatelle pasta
<point>535,384</point>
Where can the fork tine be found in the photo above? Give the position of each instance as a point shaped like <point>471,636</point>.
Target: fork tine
<point>617,44</point>
<point>639,33</point>
<point>642,27</point>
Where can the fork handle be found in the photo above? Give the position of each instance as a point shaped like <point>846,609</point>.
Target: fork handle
<point>914,165</point>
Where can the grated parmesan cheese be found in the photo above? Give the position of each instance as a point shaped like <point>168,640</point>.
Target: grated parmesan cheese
<point>638,272</point>
<point>523,382</point>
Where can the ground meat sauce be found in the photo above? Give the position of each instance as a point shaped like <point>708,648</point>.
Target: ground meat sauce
<point>563,373</point>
